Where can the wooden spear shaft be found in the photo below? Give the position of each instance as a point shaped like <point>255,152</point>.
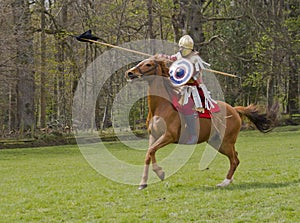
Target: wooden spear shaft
<point>220,72</point>
<point>149,55</point>
<point>117,47</point>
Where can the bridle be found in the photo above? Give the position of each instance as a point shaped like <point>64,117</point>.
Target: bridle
<point>167,84</point>
<point>148,71</point>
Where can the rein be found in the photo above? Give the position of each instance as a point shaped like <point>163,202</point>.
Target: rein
<point>170,90</point>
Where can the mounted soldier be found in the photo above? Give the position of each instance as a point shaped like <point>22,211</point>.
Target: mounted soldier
<point>186,75</point>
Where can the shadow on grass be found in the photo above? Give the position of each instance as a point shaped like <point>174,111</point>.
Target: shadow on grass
<point>249,186</point>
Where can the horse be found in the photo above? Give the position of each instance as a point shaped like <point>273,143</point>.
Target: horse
<point>164,123</point>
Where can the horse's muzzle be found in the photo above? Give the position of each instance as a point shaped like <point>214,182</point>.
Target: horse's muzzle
<point>130,75</point>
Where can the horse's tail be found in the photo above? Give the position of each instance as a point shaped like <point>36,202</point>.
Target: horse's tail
<point>264,122</point>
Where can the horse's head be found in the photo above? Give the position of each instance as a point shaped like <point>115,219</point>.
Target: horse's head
<point>154,66</point>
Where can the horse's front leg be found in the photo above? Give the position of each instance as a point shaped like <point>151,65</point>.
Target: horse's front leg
<point>150,156</point>
<point>143,183</point>
<point>157,169</point>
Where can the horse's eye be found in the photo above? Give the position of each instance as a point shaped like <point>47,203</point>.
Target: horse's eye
<point>148,65</point>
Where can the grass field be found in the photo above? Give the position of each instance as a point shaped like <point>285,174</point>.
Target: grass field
<point>56,184</point>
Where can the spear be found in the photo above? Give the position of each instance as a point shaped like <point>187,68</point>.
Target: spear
<point>89,37</point>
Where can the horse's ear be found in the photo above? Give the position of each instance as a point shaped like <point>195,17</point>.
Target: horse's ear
<point>156,57</point>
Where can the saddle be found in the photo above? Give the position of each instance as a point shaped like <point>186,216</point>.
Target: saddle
<point>188,108</point>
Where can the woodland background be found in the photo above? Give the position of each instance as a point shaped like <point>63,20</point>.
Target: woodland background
<point>40,63</point>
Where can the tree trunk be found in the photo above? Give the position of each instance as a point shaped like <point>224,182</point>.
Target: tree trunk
<point>187,19</point>
<point>61,88</point>
<point>293,90</point>
<point>195,22</point>
<point>43,64</point>
<point>24,65</point>
<point>150,19</point>
<point>178,19</point>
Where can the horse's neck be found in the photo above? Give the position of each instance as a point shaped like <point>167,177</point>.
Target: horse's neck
<point>159,95</point>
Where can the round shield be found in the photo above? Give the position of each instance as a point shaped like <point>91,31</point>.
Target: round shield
<point>181,72</point>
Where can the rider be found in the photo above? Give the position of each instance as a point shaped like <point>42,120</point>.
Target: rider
<point>186,51</point>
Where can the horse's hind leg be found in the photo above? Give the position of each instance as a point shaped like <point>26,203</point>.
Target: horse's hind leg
<point>232,155</point>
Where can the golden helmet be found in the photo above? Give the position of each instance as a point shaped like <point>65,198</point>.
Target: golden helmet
<point>186,42</point>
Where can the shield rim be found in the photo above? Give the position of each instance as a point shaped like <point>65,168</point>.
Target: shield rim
<point>187,76</point>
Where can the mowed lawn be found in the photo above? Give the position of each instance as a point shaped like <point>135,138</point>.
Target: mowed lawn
<point>56,184</point>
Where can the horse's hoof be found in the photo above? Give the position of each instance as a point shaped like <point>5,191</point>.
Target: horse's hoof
<point>225,183</point>
<point>143,186</point>
<point>160,173</point>
<point>162,176</point>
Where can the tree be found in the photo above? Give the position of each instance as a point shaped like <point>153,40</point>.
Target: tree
<point>292,22</point>
<point>43,101</point>
<point>41,63</point>
<point>24,64</point>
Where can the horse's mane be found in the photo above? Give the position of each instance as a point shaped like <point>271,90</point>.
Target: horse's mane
<point>165,64</point>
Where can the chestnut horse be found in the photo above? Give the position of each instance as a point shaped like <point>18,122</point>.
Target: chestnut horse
<point>164,123</point>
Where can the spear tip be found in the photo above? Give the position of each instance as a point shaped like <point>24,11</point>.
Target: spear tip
<point>86,36</point>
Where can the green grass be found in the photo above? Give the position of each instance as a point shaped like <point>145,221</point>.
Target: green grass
<point>55,184</point>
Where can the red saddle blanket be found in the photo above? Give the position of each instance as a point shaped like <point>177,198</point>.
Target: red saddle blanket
<point>188,109</point>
